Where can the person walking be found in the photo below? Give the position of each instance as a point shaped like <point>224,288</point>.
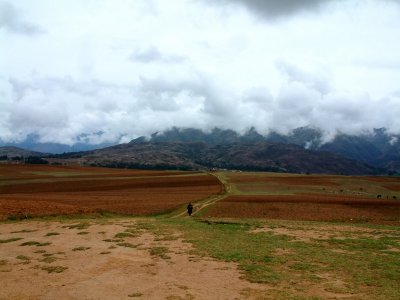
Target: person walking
<point>190,209</point>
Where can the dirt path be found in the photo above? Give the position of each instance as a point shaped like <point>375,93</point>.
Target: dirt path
<point>202,204</point>
<point>109,261</point>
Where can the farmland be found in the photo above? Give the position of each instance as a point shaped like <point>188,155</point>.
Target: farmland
<point>253,235</point>
<point>28,191</point>
<point>310,197</point>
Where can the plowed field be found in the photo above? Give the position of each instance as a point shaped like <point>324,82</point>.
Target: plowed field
<point>309,208</point>
<point>310,197</point>
<point>48,190</point>
<point>287,180</point>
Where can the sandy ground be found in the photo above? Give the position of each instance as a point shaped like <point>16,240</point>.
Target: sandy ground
<point>92,265</point>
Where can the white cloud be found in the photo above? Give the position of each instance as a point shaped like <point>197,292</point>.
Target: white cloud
<point>11,21</point>
<point>278,9</point>
<point>152,54</point>
<point>117,70</point>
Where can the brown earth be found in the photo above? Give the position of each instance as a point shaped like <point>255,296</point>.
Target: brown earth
<point>385,179</point>
<point>307,233</point>
<point>286,180</point>
<point>312,180</point>
<point>309,208</point>
<point>392,187</point>
<point>27,171</point>
<point>95,265</point>
<point>52,190</point>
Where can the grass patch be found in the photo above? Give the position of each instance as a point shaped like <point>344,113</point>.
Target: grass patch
<point>128,245</point>
<point>80,226</point>
<point>134,231</point>
<point>49,259</point>
<point>80,248</point>
<point>54,269</point>
<point>83,232</point>
<point>133,295</point>
<point>166,237</point>
<point>113,240</point>
<point>24,231</point>
<point>10,240</point>
<point>43,244</point>
<point>123,235</point>
<point>52,233</point>
<point>40,251</point>
<point>35,243</point>
<point>369,266</point>
<point>160,252</point>
<point>23,257</point>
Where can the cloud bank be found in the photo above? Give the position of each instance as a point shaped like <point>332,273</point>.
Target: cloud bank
<point>139,67</point>
<point>278,9</point>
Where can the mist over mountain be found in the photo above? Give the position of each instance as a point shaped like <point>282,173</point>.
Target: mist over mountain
<point>33,143</point>
<point>187,147</point>
<point>231,153</point>
<point>378,148</point>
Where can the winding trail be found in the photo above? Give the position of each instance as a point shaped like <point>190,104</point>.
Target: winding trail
<point>202,204</point>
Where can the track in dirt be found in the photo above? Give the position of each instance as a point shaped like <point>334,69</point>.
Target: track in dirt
<point>46,190</point>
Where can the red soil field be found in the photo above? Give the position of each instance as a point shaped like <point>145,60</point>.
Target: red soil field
<point>386,179</point>
<point>286,180</point>
<point>392,187</point>
<point>135,192</point>
<point>26,171</point>
<point>309,208</point>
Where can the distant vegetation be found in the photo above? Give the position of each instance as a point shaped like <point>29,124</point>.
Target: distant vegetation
<point>301,151</point>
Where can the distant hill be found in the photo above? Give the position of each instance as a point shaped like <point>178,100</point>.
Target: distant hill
<point>379,148</point>
<point>33,143</point>
<point>258,156</point>
<point>302,150</point>
<point>11,152</point>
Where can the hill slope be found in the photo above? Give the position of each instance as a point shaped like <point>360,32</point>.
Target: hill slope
<point>11,151</point>
<point>260,156</point>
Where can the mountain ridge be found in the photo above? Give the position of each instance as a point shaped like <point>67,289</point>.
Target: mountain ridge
<point>303,151</point>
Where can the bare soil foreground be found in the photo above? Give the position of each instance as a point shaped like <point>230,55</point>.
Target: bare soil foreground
<point>164,258</point>
<point>34,190</point>
<point>111,260</point>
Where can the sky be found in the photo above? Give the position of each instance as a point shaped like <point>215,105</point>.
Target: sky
<point>109,71</point>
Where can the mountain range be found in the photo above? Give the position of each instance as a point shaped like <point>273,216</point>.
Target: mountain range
<point>302,151</point>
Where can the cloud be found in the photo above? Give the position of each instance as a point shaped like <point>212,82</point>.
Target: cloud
<point>277,9</point>
<point>11,21</point>
<point>62,109</point>
<point>318,79</point>
<point>133,71</point>
<point>152,54</point>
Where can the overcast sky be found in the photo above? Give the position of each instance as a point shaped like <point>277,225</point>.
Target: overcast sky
<point>114,70</point>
